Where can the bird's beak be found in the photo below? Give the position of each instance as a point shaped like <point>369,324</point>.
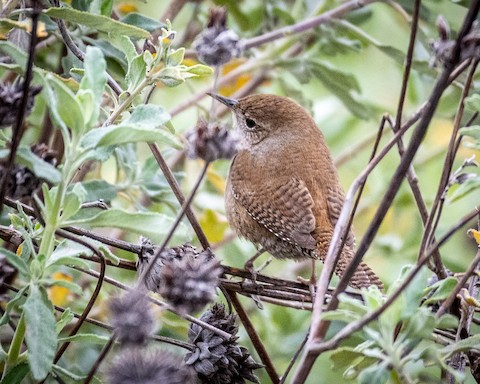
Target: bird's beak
<point>230,103</point>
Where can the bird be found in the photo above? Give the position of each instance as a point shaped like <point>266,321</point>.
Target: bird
<point>283,192</point>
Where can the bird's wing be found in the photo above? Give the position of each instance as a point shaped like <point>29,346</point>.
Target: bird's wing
<point>284,208</point>
<point>335,200</point>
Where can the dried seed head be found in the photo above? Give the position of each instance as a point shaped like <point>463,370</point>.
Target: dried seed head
<point>217,45</point>
<point>132,317</point>
<point>148,366</point>
<point>443,28</point>
<point>22,182</point>
<point>211,142</point>
<point>186,278</point>
<point>152,279</point>
<point>216,360</point>
<point>189,284</point>
<point>10,96</point>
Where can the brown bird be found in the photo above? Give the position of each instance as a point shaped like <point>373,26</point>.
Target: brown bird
<point>283,191</point>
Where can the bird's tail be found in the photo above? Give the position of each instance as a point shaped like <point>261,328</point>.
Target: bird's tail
<point>363,276</point>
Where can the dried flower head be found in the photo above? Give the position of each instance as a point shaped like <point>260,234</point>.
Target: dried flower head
<point>443,47</point>
<point>22,182</point>
<point>216,360</point>
<point>211,142</point>
<point>152,279</point>
<point>189,284</point>
<point>132,317</point>
<point>217,44</point>
<point>148,366</point>
<point>186,278</point>
<point>10,96</point>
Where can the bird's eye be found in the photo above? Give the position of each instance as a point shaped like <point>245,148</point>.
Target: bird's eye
<point>250,123</point>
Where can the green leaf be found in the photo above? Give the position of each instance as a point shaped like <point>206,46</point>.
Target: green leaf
<point>341,84</point>
<point>64,106</point>
<point>147,116</point>
<point>468,344</point>
<point>472,131</point>
<point>67,253</point>
<point>60,371</point>
<point>175,57</point>
<point>74,287</point>
<point>99,190</point>
<point>40,334</point>
<point>98,22</point>
<point>89,338</point>
<point>137,70</point>
<point>343,357</point>
<point>94,80</point>
<point>15,53</point>
<point>469,185</point>
<point>141,21</point>
<point>472,103</point>
<point>442,289</point>
<point>73,201</point>
<point>152,225</point>
<point>16,374</point>
<point>65,319</point>
<point>170,76</point>
<point>122,134</point>
<point>19,296</point>
<point>37,165</point>
<point>377,374</point>
<point>447,321</point>
<point>101,7</point>
<point>16,262</point>
<point>199,70</point>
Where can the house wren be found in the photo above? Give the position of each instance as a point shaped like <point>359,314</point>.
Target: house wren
<point>283,191</point>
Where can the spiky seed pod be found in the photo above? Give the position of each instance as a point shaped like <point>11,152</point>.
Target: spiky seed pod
<point>211,142</point>
<point>148,366</point>
<point>22,182</point>
<point>219,361</point>
<point>132,317</point>
<point>189,283</point>
<point>10,96</point>
<point>217,44</point>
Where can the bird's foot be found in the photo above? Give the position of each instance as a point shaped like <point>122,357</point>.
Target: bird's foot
<point>255,271</point>
<point>311,282</point>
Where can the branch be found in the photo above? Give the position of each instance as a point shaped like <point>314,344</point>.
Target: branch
<point>307,24</point>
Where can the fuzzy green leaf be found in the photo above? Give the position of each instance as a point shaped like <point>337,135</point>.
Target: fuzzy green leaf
<point>89,338</point>
<point>152,225</point>
<point>141,21</point>
<point>40,336</point>
<point>65,106</point>
<point>16,261</point>
<point>442,290</point>
<point>123,134</point>
<point>16,374</point>
<point>99,22</point>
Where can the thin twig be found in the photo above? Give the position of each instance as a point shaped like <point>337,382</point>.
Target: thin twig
<point>437,205</point>
<point>305,25</point>
<point>94,295</point>
<point>17,130</point>
<point>355,326</point>
<point>100,358</point>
